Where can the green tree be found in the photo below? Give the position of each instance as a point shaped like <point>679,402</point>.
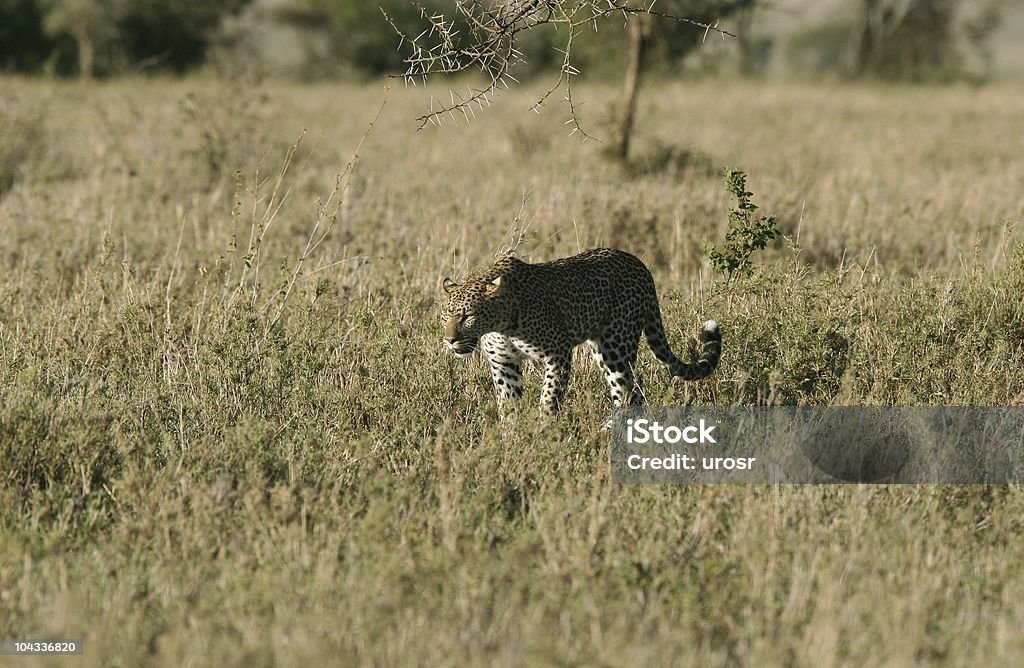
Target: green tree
<point>89,22</point>
<point>175,34</point>
<point>648,35</point>
<point>109,33</point>
<point>355,34</point>
<point>918,39</point>
<point>24,46</point>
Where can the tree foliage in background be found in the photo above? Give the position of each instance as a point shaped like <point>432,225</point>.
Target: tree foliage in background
<point>901,40</point>
<point>172,33</point>
<point>90,23</point>
<point>351,37</point>
<point>885,39</point>
<point>24,46</point>
<point>108,36</point>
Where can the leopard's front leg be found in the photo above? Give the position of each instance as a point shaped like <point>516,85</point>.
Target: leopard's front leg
<point>506,366</point>
<point>557,368</point>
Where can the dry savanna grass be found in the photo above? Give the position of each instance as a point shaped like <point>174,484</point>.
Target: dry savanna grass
<point>230,435</point>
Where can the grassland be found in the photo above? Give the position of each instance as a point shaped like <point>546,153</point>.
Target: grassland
<point>221,448</point>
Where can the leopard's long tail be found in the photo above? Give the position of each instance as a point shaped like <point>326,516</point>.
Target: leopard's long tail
<point>707,360</point>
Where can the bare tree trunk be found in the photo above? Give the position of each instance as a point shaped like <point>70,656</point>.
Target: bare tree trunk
<point>744,19</point>
<point>639,34</point>
<point>86,54</point>
<point>861,39</point>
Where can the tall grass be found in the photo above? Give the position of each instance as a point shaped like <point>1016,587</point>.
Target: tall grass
<point>224,446</point>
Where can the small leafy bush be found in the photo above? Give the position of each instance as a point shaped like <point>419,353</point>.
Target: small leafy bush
<point>746,234</point>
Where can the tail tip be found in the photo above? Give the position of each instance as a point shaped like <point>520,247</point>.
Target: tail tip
<point>710,332</point>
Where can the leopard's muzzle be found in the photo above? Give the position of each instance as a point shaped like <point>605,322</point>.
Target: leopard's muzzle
<point>461,347</point>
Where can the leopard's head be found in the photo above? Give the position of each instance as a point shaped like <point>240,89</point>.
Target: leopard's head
<point>472,309</point>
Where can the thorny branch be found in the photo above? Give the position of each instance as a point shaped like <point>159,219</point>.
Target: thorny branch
<point>482,34</point>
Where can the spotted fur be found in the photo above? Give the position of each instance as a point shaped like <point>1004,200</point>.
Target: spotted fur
<point>604,297</point>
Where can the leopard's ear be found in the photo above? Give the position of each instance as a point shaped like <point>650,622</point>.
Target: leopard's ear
<point>494,286</point>
<point>447,285</point>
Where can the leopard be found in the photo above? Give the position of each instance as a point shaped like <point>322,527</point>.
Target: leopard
<point>604,298</point>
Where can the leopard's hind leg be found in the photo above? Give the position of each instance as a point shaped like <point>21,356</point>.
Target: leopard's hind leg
<point>615,354</point>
